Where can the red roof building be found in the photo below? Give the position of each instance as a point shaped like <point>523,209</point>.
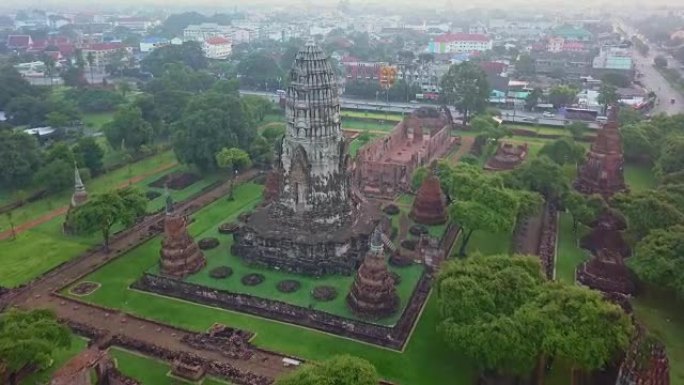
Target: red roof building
<point>19,41</point>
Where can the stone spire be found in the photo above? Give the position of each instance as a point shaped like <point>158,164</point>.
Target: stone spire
<point>373,294</point>
<point>602,171</point>
<point>428,207</point>
<point>80,194</point>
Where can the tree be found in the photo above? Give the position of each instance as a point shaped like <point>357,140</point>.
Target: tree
<point>29,338</point>
<point>73,77</point>
<point>562,96</point>
<point>671,157</point>
<point>577,129</point>
<point>26,110</point>
<point>563,151</point>
<point>607,96</point>
<point>20,158</point>
<point>647,212</point>
<point>124,88</point>
<point>660,61</point>
<point>637,144</point>
<point>659,259</point>
<point>260,70</point>
<point>261,152</point>
<point>525,65</point>
<point>533,98</point>
<point>103,211</point>
<point>338,370</point>
<point>627,116</point>
<point>418,177</point>
<point>56,175</point>
<point>544,176</point>
<point>128,129</point>
<point>234,160</point>
<point>89,154</point>
<point>477,299</point>
<point>258,106</point>
<point>465,87</point>
<point>188,54</point>
<point>273,132</point>
<point>12,85</point>
<point>616,79</point>
<point>210,123</point>
<point>582,209</point>
<point>90,58</point>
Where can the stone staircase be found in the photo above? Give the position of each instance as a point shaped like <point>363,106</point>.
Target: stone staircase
<point>388,243</point>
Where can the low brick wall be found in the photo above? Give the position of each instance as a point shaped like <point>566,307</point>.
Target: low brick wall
<point>392,337</point>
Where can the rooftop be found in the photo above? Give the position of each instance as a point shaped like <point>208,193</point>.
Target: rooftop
<point>451,37</point>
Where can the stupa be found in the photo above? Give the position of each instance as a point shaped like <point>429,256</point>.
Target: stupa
<point>602,172</point>
<point>373,294</point>
<point>314,225</point>
<point>180,254</point>
<point>428,206</point>
<point>79,197</point>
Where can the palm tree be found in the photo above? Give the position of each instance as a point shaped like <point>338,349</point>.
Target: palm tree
<point>90,58</point>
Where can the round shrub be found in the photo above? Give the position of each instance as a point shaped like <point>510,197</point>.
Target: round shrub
<point>418,230</point>
<point>208,243</point>
<point>252,279</point>
<point>409,244</point>
<point>228,228</point>
<point>324,293</point>
<point>391,209</point>
<point>288,286</point>
<point>221,272</point>
<point>151,194</point>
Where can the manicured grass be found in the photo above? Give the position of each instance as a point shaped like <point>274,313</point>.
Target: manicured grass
<point>663,315</point>
<point>356,144</point>
<point>569,254</point>
<point>639,177</point>
<point>45,246</point>
<point>429,359</point>
<point>357,124</point>
<point>371,115</point>
<point>150,371</point>
<point>96,185</point>
<point>95,121</point>
<point>60,357</point>
<point>486,243</point>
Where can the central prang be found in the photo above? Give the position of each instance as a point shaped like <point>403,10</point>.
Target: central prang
<point>313,224</point>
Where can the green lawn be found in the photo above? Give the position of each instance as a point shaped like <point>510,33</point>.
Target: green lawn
<point>371,115</point>
<point>60,357</point>
<point>95,121</point>
<point>150,371</point>
<point>430,360</point>
<point>45,246</point>
<point>569,254</point>
<point>663,315</point>
<point>356,124</point>
<point>639,177</point>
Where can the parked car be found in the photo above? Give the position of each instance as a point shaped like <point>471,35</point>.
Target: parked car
<point>549,115</point>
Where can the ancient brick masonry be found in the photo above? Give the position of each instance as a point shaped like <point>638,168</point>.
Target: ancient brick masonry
<point>373,294</point>
<point>79,197</point>
<point>507,157</point>
<point>311,223</point>
<point>384,167</point>
<point>602,171</point>
<point>428,207</point>
<point>646,362</point>
<point>180,255</point>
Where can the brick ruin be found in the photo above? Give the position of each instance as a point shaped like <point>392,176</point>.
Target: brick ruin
<point>373,294</point>
<point>429,205</point>
<point>646,362</point>
<point>180,254</point>
<point>602,171</point>
<point>79,197</point>
<point>313,224</point>
<point>383,168</point>
<point>507,157</point>
<point>79,370</point>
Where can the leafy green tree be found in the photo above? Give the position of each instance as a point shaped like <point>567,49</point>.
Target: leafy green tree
<point>562,96</point>
<point>563,151</point>
<point>671,157</point>
<point>339,370</point>
<point>616,79</point>
<point>258,106</point>
<point>628,116</point>
<point>582,208</point>
<point>260,70</point>
<point>465,87</point>
<point>525,65</point>
<point>20,158</point>
<point>60,151</point>
<point>104,211</point>
<point>124,88</point>
<point>29,338</point>
<point>233,159</point>
<point>419,175</point>
<point>274,132</point>
<point>89,154</point>
<point>210,123</point>
<point>12,85</point>
<point>607,96</point>
<point>189,54</point>
<point>533,98</point>
<point>179,77</point>
<point>128,129</point>
<point>26,110</point>
<point>544,176</point>
<point>477,299</point>
<point>56,175</point>
<point>647,212</point>
<point>637,144</point>
<point>659,259</point>
<point>261,152</point>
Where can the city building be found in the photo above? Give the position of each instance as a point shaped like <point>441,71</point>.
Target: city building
<point>201,32</point>
<point>613,59</point>
<point>217,47</point>
<point>134,23</point>
<point>571,33</point>
<point>459,43</point>
<point>102,53</point>
<point>559,44</point>
<point>19,42</point>
<point>149,44</point>
<point>571,64</point>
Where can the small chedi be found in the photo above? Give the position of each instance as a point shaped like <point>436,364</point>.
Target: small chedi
<point>507,157</point>
<point>428,206</point>
<point>373,294</point>
<point>606,272</point>
<point>79,197</point>
<point>384,167</point>
<point>180,254</point>
<point>312,223</point>
<point>602,171</point>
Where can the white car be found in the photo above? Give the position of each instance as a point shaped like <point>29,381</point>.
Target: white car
<point>549,115</point>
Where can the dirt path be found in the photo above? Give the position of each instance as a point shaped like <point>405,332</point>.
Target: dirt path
<point>62,210</point>
<point>464,149</point>
<point>40,293</point>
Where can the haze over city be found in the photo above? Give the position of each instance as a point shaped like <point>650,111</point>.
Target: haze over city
<point>341,192</point>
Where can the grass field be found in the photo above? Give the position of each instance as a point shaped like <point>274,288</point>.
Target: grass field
<point>60,357</point>
<point>43,247</point>
<point>639,177</point>
<point>430,359</point>
<point>569,254</point>
<point>367,125</point>
<point>371,115</point>
<point>95,121</point>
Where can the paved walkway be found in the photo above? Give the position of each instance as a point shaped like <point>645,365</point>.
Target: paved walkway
<point>39,294</point>
<point>62,210</point>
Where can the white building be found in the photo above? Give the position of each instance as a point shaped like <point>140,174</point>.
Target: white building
<point>201,32</point>
<point>218,48</point>
<point>459,43</point>
<point>149,44</point>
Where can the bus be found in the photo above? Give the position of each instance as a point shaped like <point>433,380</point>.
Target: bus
<point>582,114</point>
